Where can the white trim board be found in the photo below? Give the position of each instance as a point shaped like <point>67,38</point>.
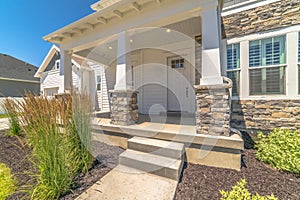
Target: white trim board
<point>18,80</point>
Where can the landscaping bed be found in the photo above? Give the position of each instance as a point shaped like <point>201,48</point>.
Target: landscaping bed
<point>14,153</point>
<point>202,182</point>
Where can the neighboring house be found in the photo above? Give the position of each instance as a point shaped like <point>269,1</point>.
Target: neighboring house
<point>17,77</point>
<point>49,74</point>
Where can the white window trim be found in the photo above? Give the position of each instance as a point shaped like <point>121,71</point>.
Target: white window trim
<point>291,62</point>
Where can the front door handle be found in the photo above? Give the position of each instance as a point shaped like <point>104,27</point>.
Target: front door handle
<point>187,92</point>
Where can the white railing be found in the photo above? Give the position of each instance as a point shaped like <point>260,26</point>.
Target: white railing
<point>2,110</point>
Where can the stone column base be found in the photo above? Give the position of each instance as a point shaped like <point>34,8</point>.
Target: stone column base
<point>213,109</point>
<point>124,107</point>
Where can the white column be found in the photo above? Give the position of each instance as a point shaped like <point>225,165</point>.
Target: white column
<point>211,46</point>
<point>244,73</point>
<point>123,68</point>
<point>292,64</point>
<point>65,71</point>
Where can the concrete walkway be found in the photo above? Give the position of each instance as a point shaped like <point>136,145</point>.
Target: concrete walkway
<point>128,184</point>
<point>4,124</point>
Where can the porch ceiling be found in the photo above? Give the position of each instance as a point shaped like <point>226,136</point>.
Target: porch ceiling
<point>147,38</point>
<point>117,13</point>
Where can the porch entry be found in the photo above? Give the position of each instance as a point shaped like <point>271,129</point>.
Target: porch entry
<point>179,98</point>
<point>166,86</point>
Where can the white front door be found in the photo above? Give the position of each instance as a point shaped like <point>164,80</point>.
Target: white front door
<point>181,95</point>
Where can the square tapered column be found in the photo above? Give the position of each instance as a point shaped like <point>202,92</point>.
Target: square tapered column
<point>213,94</point>
<point>65,71</point>
<point>123,100</point>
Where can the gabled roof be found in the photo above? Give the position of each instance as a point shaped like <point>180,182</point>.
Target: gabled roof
<point>53,51</point>
<point>13,68</point>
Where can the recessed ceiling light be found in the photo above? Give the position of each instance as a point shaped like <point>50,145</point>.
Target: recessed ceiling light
<point>168,30</point>
<point>131,41</point>
<point>110,48</point>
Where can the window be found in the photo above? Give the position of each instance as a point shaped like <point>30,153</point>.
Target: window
<point>267,61</point>
<point>233,66</point>
<point>56,65</point>
<point>177,63</point>
<point>98,83</point>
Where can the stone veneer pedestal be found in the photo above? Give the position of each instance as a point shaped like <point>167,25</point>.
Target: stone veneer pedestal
<point>213,109</point>
<point>124,107</point>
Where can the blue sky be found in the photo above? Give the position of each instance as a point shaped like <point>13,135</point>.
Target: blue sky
<point>24,22</point>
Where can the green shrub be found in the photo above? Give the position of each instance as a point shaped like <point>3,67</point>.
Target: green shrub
<point>12,109</point>
<point>7,182</point>
<point>240,192</point>
<point>281,149</point>
<point>57,150</point>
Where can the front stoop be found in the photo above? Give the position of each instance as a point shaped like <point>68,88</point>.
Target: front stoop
<point>154,156</point>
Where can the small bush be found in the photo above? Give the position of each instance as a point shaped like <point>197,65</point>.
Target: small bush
<point>281,149</point>
<point>240,192</point>
<point>58,130</point>
<point>11,107</point>
<point>7,182</point>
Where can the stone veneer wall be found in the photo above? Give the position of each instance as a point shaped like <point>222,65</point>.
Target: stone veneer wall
<point>272,16</point>
<point>124,107</point>
<point>213,109</point>
<point>265,114</point>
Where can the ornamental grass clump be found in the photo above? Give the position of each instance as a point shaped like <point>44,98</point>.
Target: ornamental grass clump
<point>280,149</point>
<point>12,109</point>
<point>7,182</point>
<point>240,192</point>
<point>57,150</point>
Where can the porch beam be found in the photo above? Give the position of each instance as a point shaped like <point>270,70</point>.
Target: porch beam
<point>211,46</point>
<point>89,26</point>
<point>136,6</point>
<point>77,30</point>
<point>118,13</point>
<point>102,20</point>
<point>67,34</point>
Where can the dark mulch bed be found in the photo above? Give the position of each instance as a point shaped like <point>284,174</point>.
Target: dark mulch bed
<point>202,182</point>
<point>14,153</point>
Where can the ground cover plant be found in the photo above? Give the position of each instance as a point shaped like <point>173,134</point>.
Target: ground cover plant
<point>60,147</point>
<point>280,149</point>
<point>240,192</point>
<point>7,182</point>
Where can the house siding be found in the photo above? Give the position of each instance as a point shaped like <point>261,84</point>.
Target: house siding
<point>264,18</point>
<point>10,88</point>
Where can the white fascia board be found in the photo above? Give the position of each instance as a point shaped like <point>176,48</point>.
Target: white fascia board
<point>46,61</point>
<point>18,80</point>
<point>168,12</point>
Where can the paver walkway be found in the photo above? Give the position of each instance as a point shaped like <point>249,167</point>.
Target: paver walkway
<point>4,124</point>
<point>128,184</point>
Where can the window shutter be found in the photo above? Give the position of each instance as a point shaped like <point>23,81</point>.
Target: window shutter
<point>233,56</point>
<point>255,54</point>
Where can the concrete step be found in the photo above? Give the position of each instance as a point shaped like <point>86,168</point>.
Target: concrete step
<point>151,163</point>
<point>158,147</point>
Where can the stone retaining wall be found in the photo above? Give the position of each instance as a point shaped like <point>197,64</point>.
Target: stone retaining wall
<point>272,16</point>
<point>124,107</point>
<point>265,114</point>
